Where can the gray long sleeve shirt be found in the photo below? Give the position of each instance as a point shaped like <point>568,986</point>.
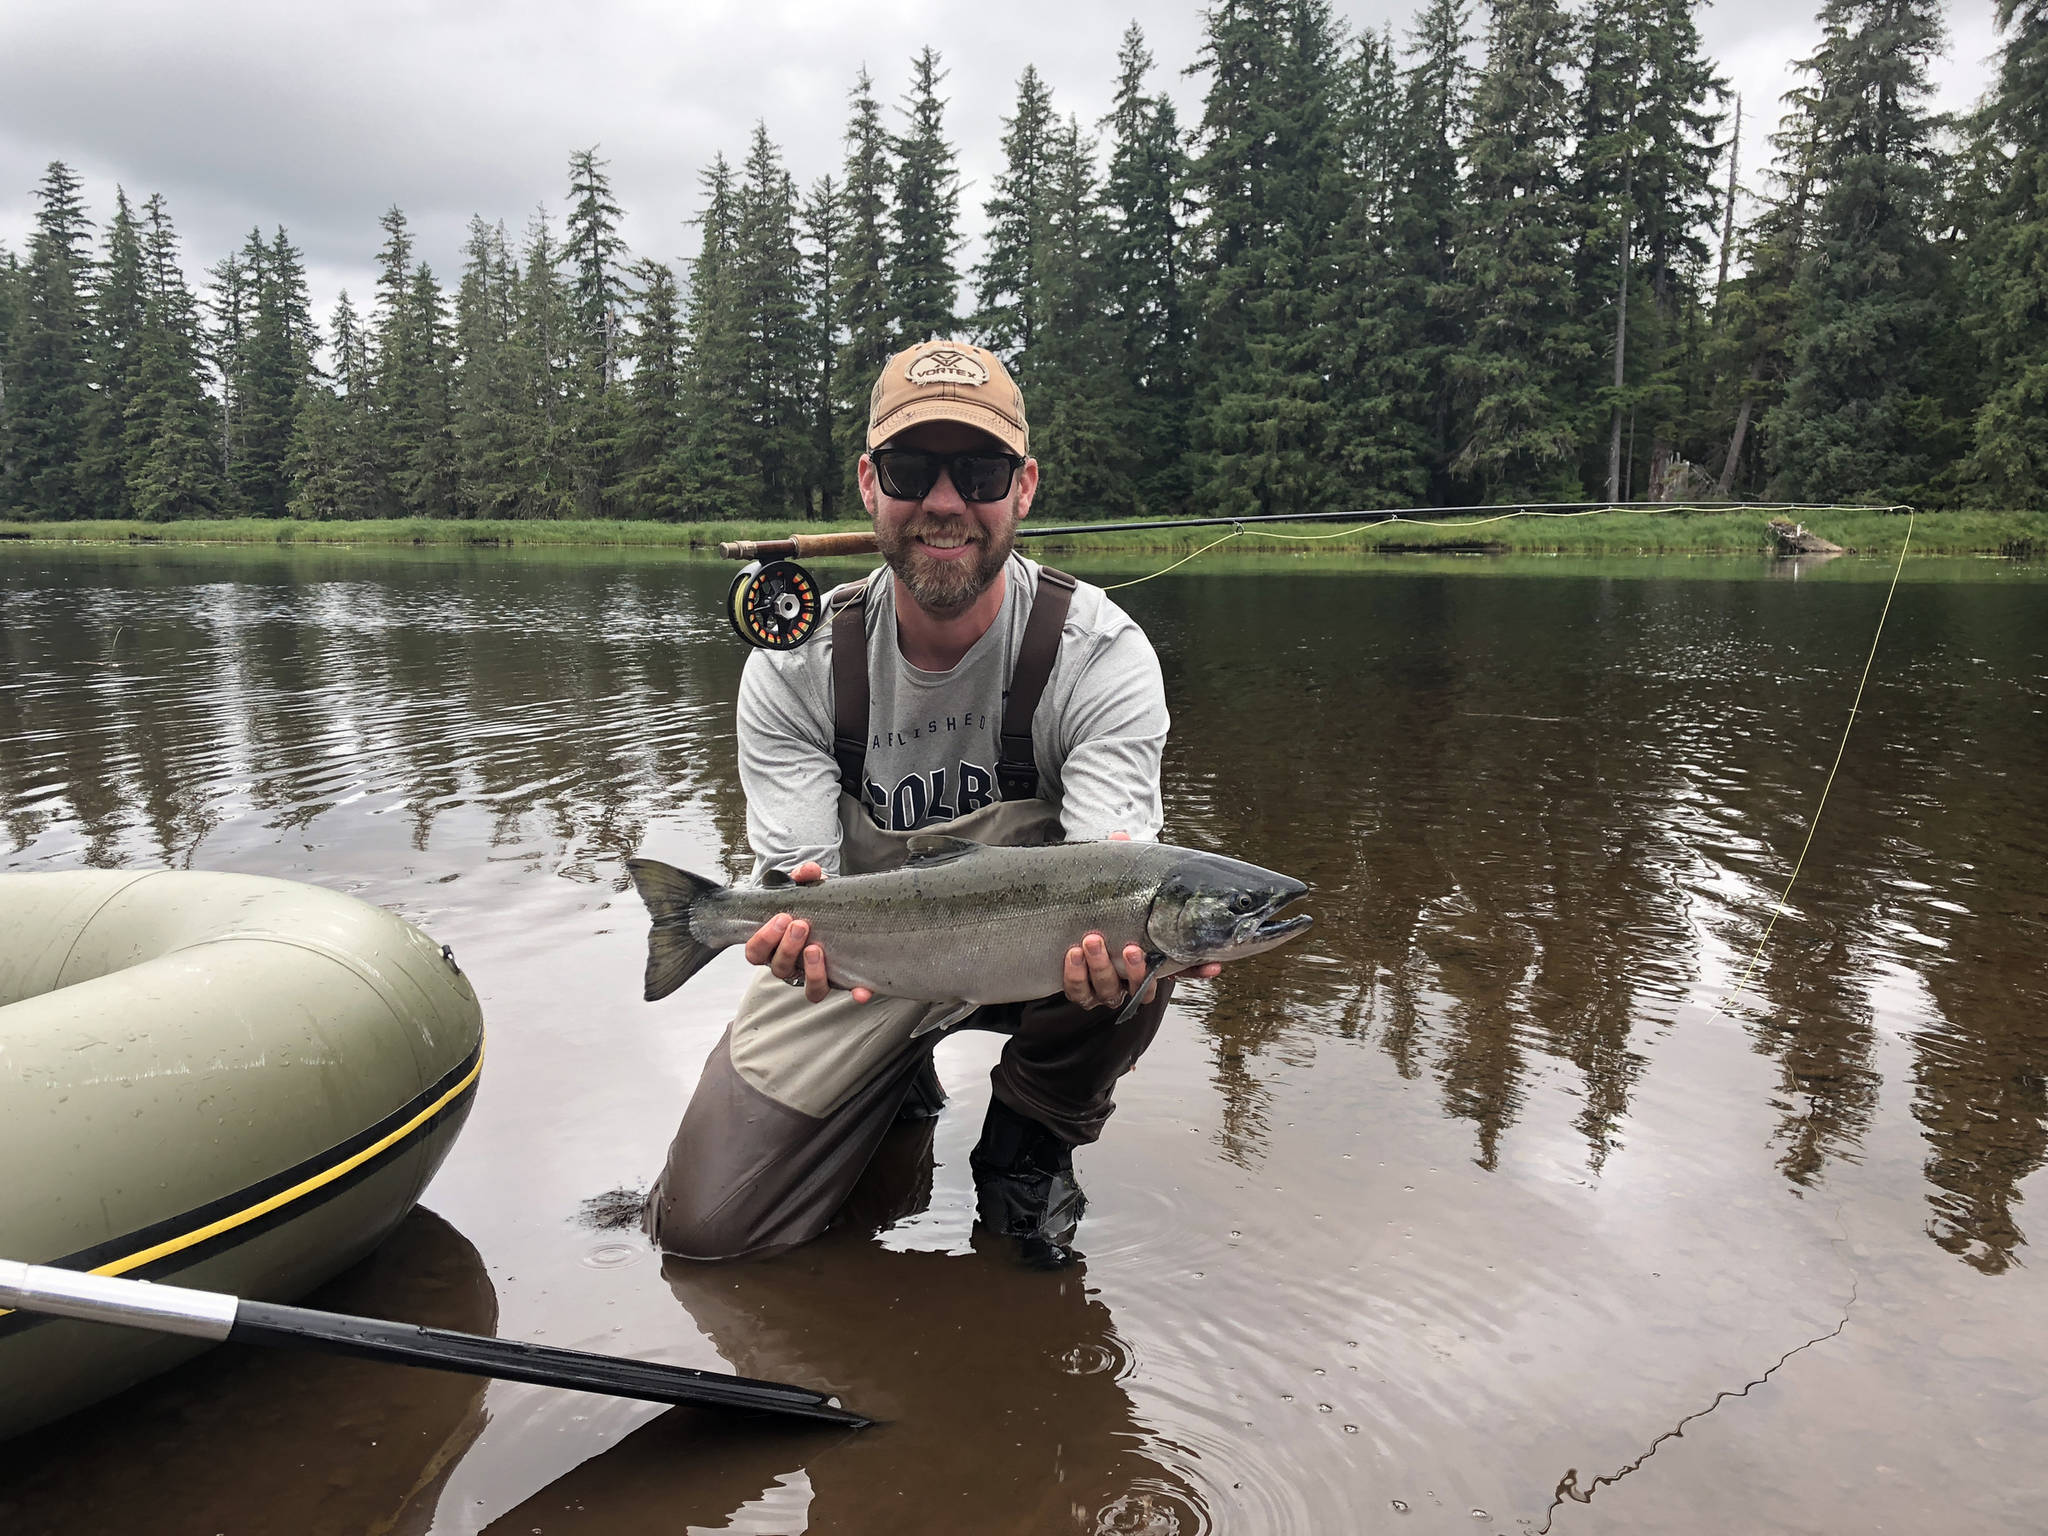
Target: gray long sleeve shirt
<point>1097,733</point>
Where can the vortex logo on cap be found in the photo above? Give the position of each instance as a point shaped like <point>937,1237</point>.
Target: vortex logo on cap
<point>946,366</point>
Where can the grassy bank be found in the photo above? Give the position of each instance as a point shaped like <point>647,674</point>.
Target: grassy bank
<point>1734,531</point>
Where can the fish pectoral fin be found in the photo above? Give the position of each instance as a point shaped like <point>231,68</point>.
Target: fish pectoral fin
<point>943,1016</point>
<point>936,848</point>
<point>1153,972</point>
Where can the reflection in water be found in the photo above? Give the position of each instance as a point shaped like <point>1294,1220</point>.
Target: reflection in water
<point>1539,815</point>
<point>956,1353</point>
<point>221,1444</point>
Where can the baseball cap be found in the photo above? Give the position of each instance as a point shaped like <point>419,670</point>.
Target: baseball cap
<point>948,381</point>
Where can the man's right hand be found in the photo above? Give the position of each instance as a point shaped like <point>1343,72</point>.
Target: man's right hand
<point>783,945</point>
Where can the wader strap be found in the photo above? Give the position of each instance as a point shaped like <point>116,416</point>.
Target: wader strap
<point>1017,769</point>
<point>850,689</point>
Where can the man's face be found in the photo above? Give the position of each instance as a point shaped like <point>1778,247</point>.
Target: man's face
<point>944,549</point>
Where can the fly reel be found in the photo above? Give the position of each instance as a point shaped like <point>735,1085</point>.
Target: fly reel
<point>774,606</point>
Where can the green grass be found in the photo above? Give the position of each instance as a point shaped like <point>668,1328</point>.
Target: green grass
<point>590,532</point>
<point>1733,531</point>
<point>1736,532</point>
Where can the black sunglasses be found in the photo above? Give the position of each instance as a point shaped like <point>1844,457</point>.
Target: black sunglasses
<point>909,475</point>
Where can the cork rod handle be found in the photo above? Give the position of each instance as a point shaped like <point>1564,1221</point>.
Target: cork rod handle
<point>805,546</point>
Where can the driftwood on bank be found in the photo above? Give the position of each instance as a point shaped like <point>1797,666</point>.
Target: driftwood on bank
<point>1793,539</point>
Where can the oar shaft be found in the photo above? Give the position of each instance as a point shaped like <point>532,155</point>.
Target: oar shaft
<point>105,1299</point>
<point>210,1315</point>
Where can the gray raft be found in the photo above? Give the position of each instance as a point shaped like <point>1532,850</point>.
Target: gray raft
<point>236,1083</point>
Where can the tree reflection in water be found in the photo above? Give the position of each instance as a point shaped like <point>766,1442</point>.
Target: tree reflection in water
<point>1540,814</point>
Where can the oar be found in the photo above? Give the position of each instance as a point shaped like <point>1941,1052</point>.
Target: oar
<point>212,1315</point>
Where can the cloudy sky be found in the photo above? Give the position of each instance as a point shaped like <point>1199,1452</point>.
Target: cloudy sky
<point>320,115</point>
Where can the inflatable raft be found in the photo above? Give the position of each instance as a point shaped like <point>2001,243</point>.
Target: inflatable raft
<point>238,1082</point>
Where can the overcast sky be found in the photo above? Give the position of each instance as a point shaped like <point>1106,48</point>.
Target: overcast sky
<point>320,115</point>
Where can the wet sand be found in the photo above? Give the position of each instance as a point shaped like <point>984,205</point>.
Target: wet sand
<point>1476,1210</point>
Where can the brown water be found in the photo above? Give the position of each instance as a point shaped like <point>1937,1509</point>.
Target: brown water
<point>1475,1211</point>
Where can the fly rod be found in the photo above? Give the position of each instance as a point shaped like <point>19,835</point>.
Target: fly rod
<point>218,1317</point>
<point>775,604</point>
<point>861,541</point>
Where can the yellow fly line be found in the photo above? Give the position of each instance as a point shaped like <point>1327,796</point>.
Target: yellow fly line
<point>1840,749</point>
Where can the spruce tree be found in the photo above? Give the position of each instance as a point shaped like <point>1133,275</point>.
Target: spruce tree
<point>1423,240</point>
<point>823,228</point>
<point>332,461</point>
<point>721,481</point>
<point>1524,348</point>
<point>117,308</point>
<point>2008,464</point>
<point>775,346</point>
<point>231,285</point>
<point>1861,415</point>
<point>1267,175</point>
<point>10,308</point>
<point>1754,341</point>
<point>1643,170</point>
<point>394,353</point>
<point>1373,315</point>
<point>1146,272</point>
<point>653,486</point>
<point>595,254</point>
<point>1018,213</point>
<point>48,375</point>
<point>424,478</point>
<point>866,314</point>
<point>543,374</point>
<point>173,447</point>
<point>487,399</point>
<point>274,362</point>
<point>1073,373</point>
<point>922,278</point>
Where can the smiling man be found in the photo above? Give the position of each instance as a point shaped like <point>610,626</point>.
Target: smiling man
<point>960,688</point>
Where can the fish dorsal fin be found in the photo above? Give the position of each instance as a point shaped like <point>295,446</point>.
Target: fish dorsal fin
<point>770,878</point>
<point>937,848</point>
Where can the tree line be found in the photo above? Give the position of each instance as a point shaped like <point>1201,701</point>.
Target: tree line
<point>1373,273</point>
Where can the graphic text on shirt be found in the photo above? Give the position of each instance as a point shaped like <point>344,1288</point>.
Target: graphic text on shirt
<point>920,798</point>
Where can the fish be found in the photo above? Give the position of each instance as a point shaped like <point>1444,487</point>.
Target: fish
<point>967,922</point>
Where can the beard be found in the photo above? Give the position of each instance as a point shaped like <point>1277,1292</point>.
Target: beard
<point>944,588</point>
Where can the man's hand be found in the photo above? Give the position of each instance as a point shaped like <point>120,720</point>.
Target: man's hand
<point>1091,981</point>
<point>783,945</point>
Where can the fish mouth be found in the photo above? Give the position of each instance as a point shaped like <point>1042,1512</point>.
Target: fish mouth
<point>1277,930</point>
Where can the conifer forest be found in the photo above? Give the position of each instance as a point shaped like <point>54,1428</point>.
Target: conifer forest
<point>1494,256</point>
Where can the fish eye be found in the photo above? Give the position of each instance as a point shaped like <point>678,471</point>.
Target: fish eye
<point>1242,902</point>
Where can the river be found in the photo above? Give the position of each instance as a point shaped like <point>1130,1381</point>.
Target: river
<point>1483,1208</point>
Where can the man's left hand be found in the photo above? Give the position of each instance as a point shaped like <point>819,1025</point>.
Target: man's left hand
<point>1092,980</point>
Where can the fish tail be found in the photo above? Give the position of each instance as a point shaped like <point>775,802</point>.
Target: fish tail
<point>674,954</point>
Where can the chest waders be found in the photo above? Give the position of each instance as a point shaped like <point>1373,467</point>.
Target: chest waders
<point>796,1096</point>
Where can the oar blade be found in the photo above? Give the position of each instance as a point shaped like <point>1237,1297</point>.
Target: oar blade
<point>511,1360</point>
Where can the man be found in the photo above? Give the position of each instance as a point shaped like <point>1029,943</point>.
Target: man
<point>961,688</point>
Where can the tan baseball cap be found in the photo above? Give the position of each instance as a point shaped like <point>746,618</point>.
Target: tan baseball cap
<point>948,381</point>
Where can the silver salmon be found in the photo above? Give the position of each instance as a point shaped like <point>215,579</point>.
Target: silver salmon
<point>972,923</point>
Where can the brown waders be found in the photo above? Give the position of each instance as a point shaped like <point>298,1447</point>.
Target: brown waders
<point>796,1096</point>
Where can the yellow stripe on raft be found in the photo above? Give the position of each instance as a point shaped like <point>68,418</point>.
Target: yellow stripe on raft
<point>305,1187</point>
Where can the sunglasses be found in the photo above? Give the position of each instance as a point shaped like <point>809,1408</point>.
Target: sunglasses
<point>908,475</point>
